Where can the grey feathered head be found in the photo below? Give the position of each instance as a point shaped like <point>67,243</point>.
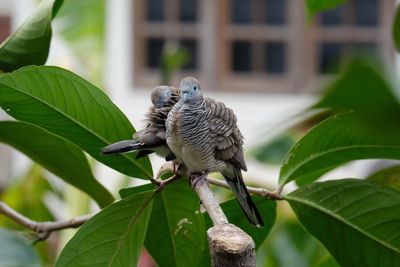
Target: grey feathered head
<point>190,89</point>
<point>160,95</point>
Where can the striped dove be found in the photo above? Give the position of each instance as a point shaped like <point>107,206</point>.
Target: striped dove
<point>152,138</point>
<point>203,135</point>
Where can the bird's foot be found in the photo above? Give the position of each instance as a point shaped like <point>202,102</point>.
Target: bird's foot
<point>195,178</point>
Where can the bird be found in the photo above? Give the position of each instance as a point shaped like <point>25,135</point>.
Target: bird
<point>203,135</point>
<point>152,137</point>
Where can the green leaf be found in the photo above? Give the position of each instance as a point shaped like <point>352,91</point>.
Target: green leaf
<point>396,30</point>
<point>177,235</point>
<point>337,140</point>
<point>236,216</point>
<point>29,44</point>
<point>15,251</point>
<point>56,7</point>
<point>363,89</point>
<point>388,177</point>
<point>357,221</point>
<point>113,237</point>
<point>57,155</point>
<point>315,6</point>
<point>67,105</point>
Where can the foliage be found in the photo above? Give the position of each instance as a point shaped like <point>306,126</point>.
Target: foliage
<point>356,220</point>
<point>316,6</point>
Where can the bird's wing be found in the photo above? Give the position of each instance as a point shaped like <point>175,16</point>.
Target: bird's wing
<point>225,134</point>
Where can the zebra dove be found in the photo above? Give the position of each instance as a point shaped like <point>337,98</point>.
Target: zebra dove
<point>203,135</point>
<point>152,137</point>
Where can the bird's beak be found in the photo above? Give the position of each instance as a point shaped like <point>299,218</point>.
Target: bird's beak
<point>185,96</point>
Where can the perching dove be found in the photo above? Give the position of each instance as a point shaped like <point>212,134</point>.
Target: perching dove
<point>203,135</point>
<point>152,137</point>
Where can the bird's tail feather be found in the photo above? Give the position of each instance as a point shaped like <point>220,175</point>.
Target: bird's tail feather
<point>242,195</point>
<point>121,147</point>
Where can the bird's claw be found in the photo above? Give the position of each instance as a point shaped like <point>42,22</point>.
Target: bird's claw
<point>196,178</point>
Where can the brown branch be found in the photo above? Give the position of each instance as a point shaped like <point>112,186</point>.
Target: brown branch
<point>209,202</point>
<point>229,245</point>
<point>43,229</point>
<point>255,190</point>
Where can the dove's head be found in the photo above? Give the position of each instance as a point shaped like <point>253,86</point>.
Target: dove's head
<point>160,95</point>
<point>190,89</point>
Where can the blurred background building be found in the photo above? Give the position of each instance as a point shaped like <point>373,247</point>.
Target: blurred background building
<point>258,45</point>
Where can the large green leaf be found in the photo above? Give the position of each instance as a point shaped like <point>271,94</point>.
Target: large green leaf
<point>357,221</point>
<point>55,154</point>
<point>337,140</point>
<point>363,89</point>
<point>388,177</point>
<point>15,251</point>
<point>315,6</point>
<point>113,237</point>
<point>236,216</point>
<point>396,30</point>
<point>67,105</point>
<point>29,44</point>
<point>177,234</point>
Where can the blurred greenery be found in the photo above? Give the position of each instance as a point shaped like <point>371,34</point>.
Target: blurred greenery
<point>82,24</point>
<point>389,176</point>
<point>16,251</point>
<point>173,58</point>
<point>396,29</point>
<point>316,6</point>
<point>290,245</point>
<point>274,151</point>
<point>32,205</point>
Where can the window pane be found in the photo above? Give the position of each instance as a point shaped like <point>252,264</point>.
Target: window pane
<point>188,10</point>
<point>154,51</point>
<point>155,10</point>
<point>275,12</point>
<point>5,28</point>
<point>333,17</point>
<point>329,58</point>
<point>366,13</point>
<point>241,11</point>
<point>275,57</point>
<point>241,56</point>
<point>191,46</point>
<point>367,49</point>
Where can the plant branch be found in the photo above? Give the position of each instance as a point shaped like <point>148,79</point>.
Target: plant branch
<point>43,229</point>
<point>255,190</point>
<point>209,202</point>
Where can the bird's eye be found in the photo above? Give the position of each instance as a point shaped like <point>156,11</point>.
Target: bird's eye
<point>195,88</point>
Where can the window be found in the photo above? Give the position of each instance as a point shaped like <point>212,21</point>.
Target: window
<point>275,57</point>
<point>161,22</point>
<point>154,51</point>
<point>258,36</point>
<point>191,46</point>
<point>362,13</point>
<point>275,12</point>
<point>241,56</point>
<point>330,54</point>
<point>187,10</point>
<point>350,30</point>
<point>155,10</point>
<point>241,11</point>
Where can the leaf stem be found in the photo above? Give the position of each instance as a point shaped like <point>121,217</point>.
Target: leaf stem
<point>43,229</point>
<point>275,195</point>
